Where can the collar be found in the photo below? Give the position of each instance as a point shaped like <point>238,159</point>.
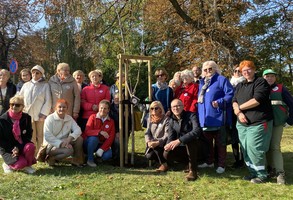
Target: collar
<point>57,118</point>
<point>98,116</point>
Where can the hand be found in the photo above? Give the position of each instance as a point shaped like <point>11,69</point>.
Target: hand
<point>100,152</point>
<point>15,152</point>
<point>95,108</point>
<point>153,144</point>
<point>215,104</point>
<point>172,145</point>
<point>75,115</point>
<point>168,113</point>
<point>242,118</point>
<point>105,134</point>
<point>66,143</point>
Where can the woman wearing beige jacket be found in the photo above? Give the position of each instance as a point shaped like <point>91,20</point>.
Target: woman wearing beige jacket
<point>37,103</point>
<point>64,86</point>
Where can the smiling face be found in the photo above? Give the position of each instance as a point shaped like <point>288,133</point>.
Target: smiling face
<point>16,106</point>
<point>96,78</point>
<point>177,107</point>
<point>237,72</point>
<point>248,73</point>
<point>61,109</point>
<point>25,76</point>
<point>3,78</point>
<point>79,78</point>
<point>104,109</point>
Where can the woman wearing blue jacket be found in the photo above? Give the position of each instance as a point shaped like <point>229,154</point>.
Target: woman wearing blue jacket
<point>215,97</point>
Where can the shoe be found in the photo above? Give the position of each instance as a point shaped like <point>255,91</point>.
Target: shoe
<point>205,165</point>
<point>51,161</point>
<point>281,178</point>
<point>186,170</point>
<point>91,163</point>
<point>191,176</point>
<point>257,180</point>
<point>162,168</point>
<point>6,168</point>
<point>249,177</point>
<point>220,170</point>
<point>29,170</point>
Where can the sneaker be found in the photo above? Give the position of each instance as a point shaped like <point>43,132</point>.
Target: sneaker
<point>91,163</point>
<point>220,170</point>
<point>162,168</point>
<point>205,165</point>
<point>257,180</point>
<point>281,178</point>
<point>249,177</point>
<point>29,170</point>
<point>6,168</point>
<point>191,176</point>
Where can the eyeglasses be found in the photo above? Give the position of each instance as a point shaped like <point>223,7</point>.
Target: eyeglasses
<point>237,71</point>
<point>247,70</point>
<point>15,104</point>
<point>208,69</point>
<point>155,108</point>
<point>160,75</point>
<point>176,106</point>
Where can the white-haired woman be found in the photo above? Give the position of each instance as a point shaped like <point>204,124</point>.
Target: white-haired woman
<point>92,95</point>
<point>188,90</point>
<point>37,102</point>
<point>64,86</point>
<point>7,91</point>
<point>79,76</point>
<point>214,100</point>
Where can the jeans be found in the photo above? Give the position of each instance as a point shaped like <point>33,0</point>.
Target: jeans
<point>92,144</point>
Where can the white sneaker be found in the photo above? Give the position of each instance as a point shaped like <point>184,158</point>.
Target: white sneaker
<point>220,170</point>
<point>205,165</point>
<point>6,168</point>
<point>91,163</point>
<point>29,170</point>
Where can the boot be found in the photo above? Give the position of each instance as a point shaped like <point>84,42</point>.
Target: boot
<point>163,168</point>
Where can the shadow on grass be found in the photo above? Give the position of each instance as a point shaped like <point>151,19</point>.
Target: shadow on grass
<point>141,167</point>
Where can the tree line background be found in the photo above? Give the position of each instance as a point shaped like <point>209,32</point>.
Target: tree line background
<point>90,34</point>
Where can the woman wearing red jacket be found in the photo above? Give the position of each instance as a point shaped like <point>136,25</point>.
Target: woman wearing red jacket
<point>99,134</point>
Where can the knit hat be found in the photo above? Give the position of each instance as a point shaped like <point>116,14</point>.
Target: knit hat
<point>268,71</point>
<point>39,68</point>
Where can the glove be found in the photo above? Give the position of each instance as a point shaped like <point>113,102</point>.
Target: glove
<point>99,152</point>
<point>290,121</point>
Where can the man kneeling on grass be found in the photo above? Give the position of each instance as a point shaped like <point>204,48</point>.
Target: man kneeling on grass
<point>183,139</point>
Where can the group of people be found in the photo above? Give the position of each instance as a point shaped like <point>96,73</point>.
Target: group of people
<point>205,106</point>
<point>71,119</point>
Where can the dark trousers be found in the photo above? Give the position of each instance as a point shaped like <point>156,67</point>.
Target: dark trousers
<point>155,154</point>
<point>184,154</point>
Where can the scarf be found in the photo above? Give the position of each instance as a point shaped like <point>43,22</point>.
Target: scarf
<point>234,81</point>
<point>16,128</point>
<point>156,119</point>
<point>203,89</point>
<point>162,86</point>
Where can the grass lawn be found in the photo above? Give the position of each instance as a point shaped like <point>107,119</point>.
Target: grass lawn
<point>141,182</point>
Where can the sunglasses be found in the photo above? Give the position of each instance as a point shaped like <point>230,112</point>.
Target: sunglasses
<point>15,104</point>
<point>155,108</point>
<point>160,75</point>
<point>237,71</point>
<point>208,69</point>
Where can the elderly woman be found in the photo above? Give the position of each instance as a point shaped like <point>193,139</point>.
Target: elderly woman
<point>37,103</point>
<point>161,90</point>
<point>16,147</point>
<point>157,134</point>
<point>282,103</point>
<point>99,134</point>
<point>63,136</point>
<point>7,91</point>
<point>64,86</point>
<point>79,76</point>
<point>114,89</point>
<point>252,106</point>
<point>24,76</point>
<point>188,90</point>
<point>214,100</point>
<point>92,95</point>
